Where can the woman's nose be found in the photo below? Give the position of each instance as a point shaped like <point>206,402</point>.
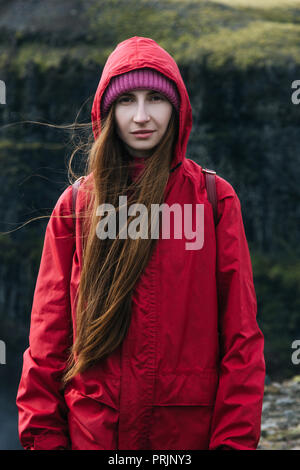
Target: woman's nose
<point>141,113</point>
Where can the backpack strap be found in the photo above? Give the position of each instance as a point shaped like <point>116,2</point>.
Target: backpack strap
<point>210,182</point>
<point>75,187</point>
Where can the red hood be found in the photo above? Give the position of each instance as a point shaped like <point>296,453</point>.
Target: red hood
<point>138,52</point>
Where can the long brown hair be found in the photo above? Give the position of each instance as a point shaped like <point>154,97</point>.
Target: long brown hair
<point>111,267</point>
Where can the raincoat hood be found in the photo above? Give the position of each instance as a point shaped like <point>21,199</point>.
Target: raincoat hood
<point>139,52</point>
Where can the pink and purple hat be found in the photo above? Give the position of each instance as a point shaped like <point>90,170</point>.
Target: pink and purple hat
<point>144,78</point>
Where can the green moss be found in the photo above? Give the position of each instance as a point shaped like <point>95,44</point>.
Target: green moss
<point>219,31</point>
<point>267,5</point>
<point>257,44</point>
<point>46,57</point>
<point>190,30</point>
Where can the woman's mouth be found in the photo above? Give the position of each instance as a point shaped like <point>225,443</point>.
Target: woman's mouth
<point>143,135</point>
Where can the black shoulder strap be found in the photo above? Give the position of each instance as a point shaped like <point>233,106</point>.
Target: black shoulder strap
<point>210,182</point>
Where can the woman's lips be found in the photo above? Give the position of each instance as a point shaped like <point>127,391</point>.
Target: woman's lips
<point>143,135</point>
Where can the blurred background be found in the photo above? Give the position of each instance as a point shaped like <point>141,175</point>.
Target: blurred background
<point>238,60</point>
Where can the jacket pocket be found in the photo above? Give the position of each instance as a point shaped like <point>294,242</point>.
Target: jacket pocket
<point>183,410</point>
<point>93,417</point>
<point>188,388</point>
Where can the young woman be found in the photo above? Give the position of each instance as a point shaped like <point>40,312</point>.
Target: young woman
<point>143,342</point>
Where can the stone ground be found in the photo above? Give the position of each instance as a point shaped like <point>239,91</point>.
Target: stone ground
<point>280,424</point>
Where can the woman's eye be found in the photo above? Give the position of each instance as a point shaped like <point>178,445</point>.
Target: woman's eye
<point>158,97</point>
<point>124,98</point>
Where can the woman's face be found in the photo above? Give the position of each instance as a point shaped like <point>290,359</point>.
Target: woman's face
<point>142,110</point>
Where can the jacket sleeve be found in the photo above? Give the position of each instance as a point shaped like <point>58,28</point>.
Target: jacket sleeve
<point>41,407</point>
<point>238,406</point>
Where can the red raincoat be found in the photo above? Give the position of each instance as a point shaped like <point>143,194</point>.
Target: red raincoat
<point>190,372</point>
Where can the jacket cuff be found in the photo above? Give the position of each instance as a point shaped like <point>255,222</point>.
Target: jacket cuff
<point>50,442</point>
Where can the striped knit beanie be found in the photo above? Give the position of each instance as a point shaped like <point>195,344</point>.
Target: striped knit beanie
<point>144,78</point>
